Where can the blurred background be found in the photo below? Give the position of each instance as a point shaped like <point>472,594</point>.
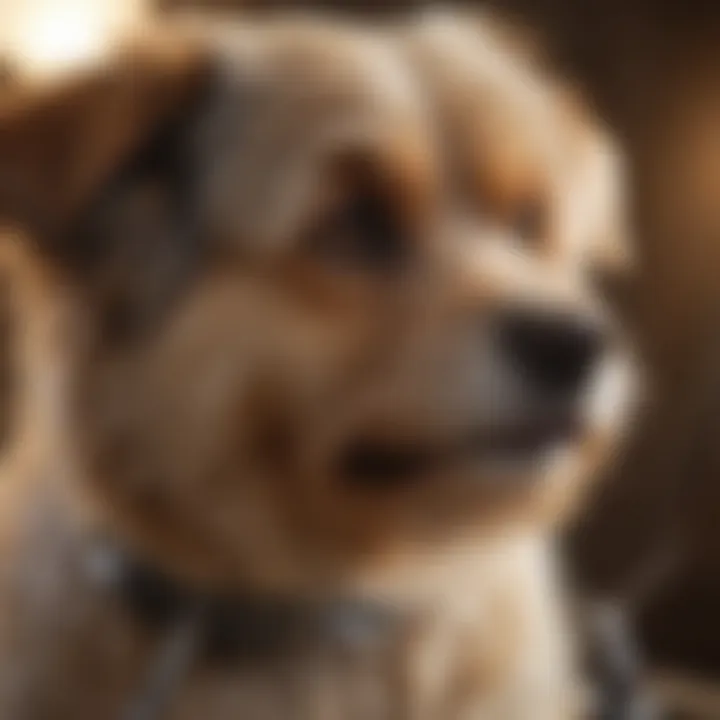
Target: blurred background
<point>652,70</point>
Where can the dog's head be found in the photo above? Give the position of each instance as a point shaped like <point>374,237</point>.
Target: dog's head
<point>346,309</point>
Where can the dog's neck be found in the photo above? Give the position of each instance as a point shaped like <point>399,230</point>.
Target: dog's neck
<point>243,627</point>
<point>166,639</point>
<point>195,627</point>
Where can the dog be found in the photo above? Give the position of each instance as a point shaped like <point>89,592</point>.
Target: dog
<point>333,365</point>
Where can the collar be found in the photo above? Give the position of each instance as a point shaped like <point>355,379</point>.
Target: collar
<point>243,627</point>
<point>193,626</point>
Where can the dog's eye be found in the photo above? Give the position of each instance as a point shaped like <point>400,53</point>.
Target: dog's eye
<point>361,233</point>
<point>528,220</point>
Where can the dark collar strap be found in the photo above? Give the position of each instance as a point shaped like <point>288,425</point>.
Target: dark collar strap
<point>241,628</point>
<point>196,627</point>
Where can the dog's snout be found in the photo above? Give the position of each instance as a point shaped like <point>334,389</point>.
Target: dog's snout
<point>554,351</point>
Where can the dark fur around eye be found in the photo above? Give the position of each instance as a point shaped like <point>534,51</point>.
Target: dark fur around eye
<point>616,285</point>
<point>528,220</point>
<point>138,245</point>
<point>362,233</point>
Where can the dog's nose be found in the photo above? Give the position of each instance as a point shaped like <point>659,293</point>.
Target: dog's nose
<point>554,350</point>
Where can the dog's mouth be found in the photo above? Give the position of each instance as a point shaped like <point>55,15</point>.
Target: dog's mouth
<point>380,462</point>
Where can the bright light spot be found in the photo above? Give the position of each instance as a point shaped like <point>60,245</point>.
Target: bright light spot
<point>53,36</point>
<point>61,38</point>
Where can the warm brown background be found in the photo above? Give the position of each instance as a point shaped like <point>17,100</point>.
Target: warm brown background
<point>653,69</point>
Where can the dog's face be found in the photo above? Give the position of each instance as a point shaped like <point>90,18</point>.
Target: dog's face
<point>350,312</point>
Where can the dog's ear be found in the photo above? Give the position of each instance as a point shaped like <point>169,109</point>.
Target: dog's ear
<point>62,141</point>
